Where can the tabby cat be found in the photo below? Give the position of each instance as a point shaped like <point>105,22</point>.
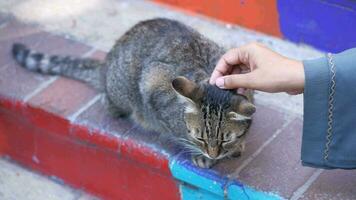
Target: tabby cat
<point>158,73</point>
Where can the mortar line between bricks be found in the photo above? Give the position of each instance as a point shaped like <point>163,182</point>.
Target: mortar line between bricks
<point>41,87</point>
<point>52,79</point>
<point>74,116</point>
<point>259,150</point>
<point>300,191</point>
<point>89,53</point>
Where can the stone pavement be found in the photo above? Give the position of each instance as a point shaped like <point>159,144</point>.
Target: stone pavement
<point>18,183</point>
<point>272,159</point>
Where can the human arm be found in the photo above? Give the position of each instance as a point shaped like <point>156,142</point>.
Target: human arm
<point>329,138</point>
<point>254,66</point>
<point>329,129</point>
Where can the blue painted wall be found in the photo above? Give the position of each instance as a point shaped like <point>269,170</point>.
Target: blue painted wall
<point>329,25</point>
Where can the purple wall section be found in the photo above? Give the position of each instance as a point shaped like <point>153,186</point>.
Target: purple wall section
<point>329,25</point>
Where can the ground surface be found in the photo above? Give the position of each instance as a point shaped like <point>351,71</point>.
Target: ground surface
<point>18,183</point>
<point>272,159</point>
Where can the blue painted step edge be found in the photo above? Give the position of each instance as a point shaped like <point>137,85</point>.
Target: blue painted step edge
<point>208,184</point>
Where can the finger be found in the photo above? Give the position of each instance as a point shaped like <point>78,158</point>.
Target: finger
<point>236,81</point>
<point>233,56</point>
<point>224,65</point>
<point>230,59</point>
<point>221,69</point>
<point>233,70</point>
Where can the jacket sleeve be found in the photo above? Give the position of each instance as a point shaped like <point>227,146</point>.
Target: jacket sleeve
<point>329,127</point>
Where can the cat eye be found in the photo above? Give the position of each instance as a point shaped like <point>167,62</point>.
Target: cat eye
<point>200,139</point>
<point>225,141</point>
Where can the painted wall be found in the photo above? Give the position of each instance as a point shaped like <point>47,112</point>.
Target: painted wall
<point>329,25</point>
<point>326,24</point>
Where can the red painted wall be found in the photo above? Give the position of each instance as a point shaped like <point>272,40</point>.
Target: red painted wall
<point>259,15</point>
<point>106,166</point>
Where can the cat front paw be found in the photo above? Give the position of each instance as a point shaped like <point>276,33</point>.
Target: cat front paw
<point>203,162</point>
<point>236,154</point>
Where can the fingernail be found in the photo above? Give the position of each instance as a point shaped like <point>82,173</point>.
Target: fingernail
<point>220,82</point>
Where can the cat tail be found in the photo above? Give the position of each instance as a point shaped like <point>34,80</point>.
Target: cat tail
<point>87,70</point>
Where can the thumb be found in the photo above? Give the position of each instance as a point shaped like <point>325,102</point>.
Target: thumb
<point>235,81</point>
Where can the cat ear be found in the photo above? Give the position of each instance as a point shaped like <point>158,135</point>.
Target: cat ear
<point>241,105</point>
<point>237,117</point>
<point>187,88</point>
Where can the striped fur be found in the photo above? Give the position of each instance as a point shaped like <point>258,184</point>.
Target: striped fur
<point>84,69</point>
<point>217,129</point>
<point>151,65</point>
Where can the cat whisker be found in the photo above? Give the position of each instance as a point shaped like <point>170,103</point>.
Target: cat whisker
<point>192,153</point>
<point>189,147</point>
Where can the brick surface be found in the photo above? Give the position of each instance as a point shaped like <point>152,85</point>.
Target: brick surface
<point>13,31</point>
<point>16,82</point>
<point>158,141</point>
<point>37,39</point>
<point>266,122</point>
<point>64,97</point>
<point>100,55</point>
<point>278,168</point>
<point>4,19</point>
<point>333,185</point>
<point>97,116</point>
<point>10,32</point>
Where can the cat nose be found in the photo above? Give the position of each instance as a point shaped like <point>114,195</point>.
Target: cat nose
<point>213,152</point>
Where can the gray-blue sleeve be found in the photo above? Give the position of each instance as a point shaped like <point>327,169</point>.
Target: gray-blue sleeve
<point>329,128</point>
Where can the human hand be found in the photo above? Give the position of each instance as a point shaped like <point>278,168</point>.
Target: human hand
<point>254,66</point>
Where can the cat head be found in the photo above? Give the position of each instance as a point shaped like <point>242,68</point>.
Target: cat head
<point>217,120</point>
